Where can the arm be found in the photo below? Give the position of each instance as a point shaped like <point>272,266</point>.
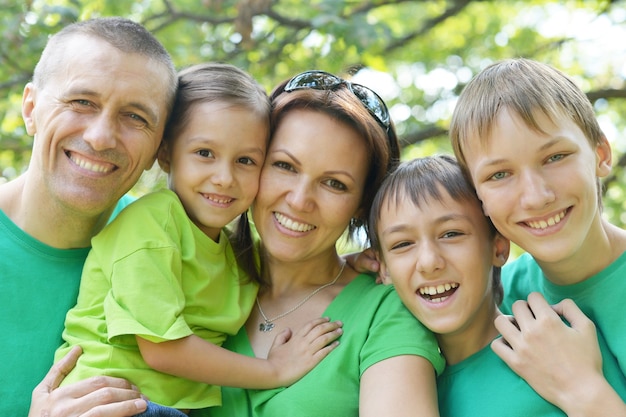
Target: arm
<point>399,386</point>
<point>101,396</point>
<point>291,357</point>
<point>562,363</point>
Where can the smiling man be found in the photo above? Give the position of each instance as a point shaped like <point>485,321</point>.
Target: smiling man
<point>97,106</point>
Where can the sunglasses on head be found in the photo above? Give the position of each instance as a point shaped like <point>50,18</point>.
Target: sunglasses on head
<point>322,80</point>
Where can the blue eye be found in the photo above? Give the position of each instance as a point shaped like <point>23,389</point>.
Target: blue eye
<point>499,175</point>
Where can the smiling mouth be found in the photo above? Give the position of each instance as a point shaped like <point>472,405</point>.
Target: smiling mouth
<point>287,223</point>
<point>544,224</point>
<point>218,200</point>
<point>89,165</point>
<point>439,293</point>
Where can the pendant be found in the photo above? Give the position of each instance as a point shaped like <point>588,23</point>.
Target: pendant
<point>266,327</point>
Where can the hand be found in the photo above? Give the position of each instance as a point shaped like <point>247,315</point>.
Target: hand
<point>293,355</point>
<point>363,262</point>
<point>97,396</point>
<point>561,362</point>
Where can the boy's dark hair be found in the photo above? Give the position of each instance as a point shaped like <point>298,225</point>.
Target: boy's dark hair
<point>422,179</point>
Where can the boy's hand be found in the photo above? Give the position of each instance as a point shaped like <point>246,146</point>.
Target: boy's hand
<point>98,396</point>
<point>561,362</point>
<point>294,354</point>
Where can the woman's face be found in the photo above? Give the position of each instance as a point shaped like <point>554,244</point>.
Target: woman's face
<point>311,185</point>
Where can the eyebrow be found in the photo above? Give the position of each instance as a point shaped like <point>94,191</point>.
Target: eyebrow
<point>439,220</point>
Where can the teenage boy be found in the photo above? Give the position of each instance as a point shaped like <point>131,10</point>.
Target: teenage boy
<point>527,138</point>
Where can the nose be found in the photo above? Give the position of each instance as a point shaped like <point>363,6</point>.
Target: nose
<point>101,132</point>
<point>535,190</point>
<point>429,259</point>
<point>300,195</point>
<point>222,175</point>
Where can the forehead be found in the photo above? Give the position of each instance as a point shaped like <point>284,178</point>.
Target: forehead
<point>88,63</point>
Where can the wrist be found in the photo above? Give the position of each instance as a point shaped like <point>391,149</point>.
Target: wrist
<point>594,398</point>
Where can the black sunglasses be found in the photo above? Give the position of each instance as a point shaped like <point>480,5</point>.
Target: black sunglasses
<point>322,80</point>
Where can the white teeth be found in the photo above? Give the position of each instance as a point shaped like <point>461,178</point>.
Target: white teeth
<point>291,225</point>
<point>542,224</point>
<point>439,289</point>
<point>220,201</point>
<point>90,166</point>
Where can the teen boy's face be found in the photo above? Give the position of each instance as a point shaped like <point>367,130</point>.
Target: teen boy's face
<point>439,257</point>
<point>539,189</point>
<point>215,164</point>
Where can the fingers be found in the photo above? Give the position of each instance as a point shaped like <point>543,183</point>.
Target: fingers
<point>58,372</point>
<point>97,396</point>
<point>282,337</point>
<point>363,262</point>
<point>126,408</point>
<point>574,316</point>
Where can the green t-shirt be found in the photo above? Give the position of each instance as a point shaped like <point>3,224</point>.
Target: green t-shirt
<point>600,297</point>
<point>377,326</point>
<point>483,385</point>
<point>38,285</point>
<point>153,273</point>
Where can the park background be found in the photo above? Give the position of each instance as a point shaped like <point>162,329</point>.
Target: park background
<point>417,55</point>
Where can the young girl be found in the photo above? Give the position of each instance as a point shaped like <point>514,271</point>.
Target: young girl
<point>162,286</point>
<point>444,257</point>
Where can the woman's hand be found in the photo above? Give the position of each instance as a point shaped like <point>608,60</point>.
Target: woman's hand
<point>97,396</point>
<point>561,362</point>
<point>364,262</point>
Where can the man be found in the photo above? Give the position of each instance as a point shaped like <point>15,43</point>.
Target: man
<point>97,106</point>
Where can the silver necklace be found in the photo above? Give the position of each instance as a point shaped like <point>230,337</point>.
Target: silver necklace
<point>268,324</point>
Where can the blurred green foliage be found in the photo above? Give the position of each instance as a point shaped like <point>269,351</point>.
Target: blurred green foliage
<point>417,54</point>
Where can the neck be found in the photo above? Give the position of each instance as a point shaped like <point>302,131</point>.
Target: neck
<point>460,345</point>
<point>285,276</point>
<point>50,223</point>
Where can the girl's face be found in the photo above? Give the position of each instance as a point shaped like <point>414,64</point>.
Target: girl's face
<point>439,256</point>
<point>311,185</point>
<point>215,163</point>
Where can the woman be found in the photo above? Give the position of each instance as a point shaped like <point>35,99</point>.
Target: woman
<point>333,143</point>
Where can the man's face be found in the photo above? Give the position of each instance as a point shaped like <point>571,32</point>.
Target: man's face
<point>97,122</point>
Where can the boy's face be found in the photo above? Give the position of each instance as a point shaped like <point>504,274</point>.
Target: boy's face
<point>540,189</point>
<point>439,257</point>
<point>215,163</point>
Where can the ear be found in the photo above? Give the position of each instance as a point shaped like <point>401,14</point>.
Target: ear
<point>604,158</point>
<point>28,107</point>
<point>163,157</point>
<point>502,248</point>
<point>383,273</point>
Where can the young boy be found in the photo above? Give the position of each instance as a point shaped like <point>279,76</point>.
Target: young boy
<point>528,140</point>
<point>444,257</point>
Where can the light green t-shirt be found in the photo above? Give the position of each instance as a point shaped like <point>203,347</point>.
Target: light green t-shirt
<point>38,285</point>
<point>600,297</point>
<point>376,326</point>
<point>153,273</point>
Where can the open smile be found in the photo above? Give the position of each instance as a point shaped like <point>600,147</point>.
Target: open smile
<point>90,165</point>
<point>547,222</point>
<point>439,293</point>
<point>292,225</point>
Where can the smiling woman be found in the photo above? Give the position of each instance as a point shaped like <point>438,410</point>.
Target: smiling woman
<point>309,194</point>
